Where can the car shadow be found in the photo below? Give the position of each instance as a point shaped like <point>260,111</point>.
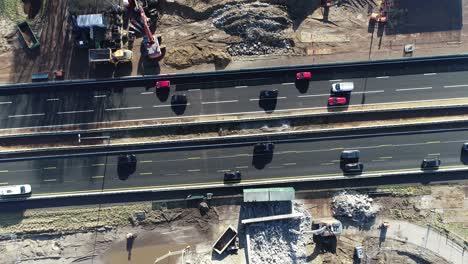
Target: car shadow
<point>302,86</point>
<point>162,94</point>
<point>179,109</point>
<point>259,161</point>
<point>124,172</point>
<point>268,105</point>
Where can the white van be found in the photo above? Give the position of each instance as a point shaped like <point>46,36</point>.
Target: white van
<point>342,87</point>
<point>15,190</point>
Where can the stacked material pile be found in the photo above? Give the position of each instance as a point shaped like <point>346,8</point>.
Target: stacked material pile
<point>356,206</point>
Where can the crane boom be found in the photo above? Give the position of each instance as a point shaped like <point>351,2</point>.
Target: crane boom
<point>153,50</point>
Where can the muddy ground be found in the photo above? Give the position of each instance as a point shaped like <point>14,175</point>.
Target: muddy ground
<point>76,234</point>
<point>227,34</point>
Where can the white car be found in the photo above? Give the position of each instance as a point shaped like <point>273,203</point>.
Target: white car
<point>15,190</point>
<point>342,87</point>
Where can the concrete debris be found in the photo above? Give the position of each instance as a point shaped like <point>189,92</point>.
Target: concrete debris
<point>356,206</point>
<point>281,241</point>
<point>260,26</point>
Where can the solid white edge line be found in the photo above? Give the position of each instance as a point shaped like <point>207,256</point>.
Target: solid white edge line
<point>221,102</point>
<point>411,89</point>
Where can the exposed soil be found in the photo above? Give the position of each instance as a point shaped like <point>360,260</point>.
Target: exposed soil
<point>77,234</point>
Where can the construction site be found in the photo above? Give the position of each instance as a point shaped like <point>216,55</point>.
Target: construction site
<point>105,39</point>
<point>425,224</point>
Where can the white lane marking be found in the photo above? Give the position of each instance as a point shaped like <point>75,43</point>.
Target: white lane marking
<point>52,99</point>
<point>195,170</point>
<point>366,92</point>
<point>312,95</point>
<point>168,105</point>
<point>257,99</point>
<point>431,73</point>
<point>276,167</point>
<point>336,80</point>
<point>123,108</point>
<point>221,102</point>
<point>382,77</point>
<point>147,93</point>
<point>289,83</point>
<point>289,164</point>
<point>223,170</point>
<point>75,112</point>
<point>193,90</point>
<point>240,86</point>
<point>12,116</point>
<point>411,89</point>
<point>242,167</point>
<point>327,163</point>
<point>455,86</point>
<point>1,103</point>
<point>434,154</point>
<point>378,160</point>
<point>100,96</point>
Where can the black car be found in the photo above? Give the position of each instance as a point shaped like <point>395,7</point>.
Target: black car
<point>127,163</point>
<point>266,147</point>
<point>232,176</point>
<point>268,94</point>
<point>179,99</point>
<point>353,167</point>
<point>350,155</point>
<point>431,163</point>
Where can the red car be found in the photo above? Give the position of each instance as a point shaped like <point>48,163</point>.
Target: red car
<point>303,76</point>
<point>163,84</point>
<point>336,100</point>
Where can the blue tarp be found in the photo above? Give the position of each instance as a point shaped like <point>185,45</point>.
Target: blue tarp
<point>89,21</point>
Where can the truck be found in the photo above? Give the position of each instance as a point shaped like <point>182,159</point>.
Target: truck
<point>28,36</point>
<point>107,56</point>
<point>226,238</point>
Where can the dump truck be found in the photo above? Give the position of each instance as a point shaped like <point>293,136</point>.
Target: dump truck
<point>106,56</point>
<point>28,36</point>
<point>226,238</point>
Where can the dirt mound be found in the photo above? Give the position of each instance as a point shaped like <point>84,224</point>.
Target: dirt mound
<point>185,56</point>
<point>260,26</point>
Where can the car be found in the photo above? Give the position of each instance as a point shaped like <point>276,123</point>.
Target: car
<point>342,87</point>
<point>359,252</point>
<point>350,154</point>
<point>353,167</point>
<point>232,176</point>
<point>303,76</point>
<point>179,99</point>
<point>431,162</point>
<point>165,84</point>
<point>266,147</point>
<point>337,100</point>
<point>409,48</point>
<point>268,94</point>
<point>465,146</point>
<point>15,190</point>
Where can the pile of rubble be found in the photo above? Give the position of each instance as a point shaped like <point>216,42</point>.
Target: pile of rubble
<point>7,35</point>
<point>281,241</point>
<point>356,206</point>
<point>260,25</point>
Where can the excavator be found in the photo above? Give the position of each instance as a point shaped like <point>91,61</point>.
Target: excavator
<point>150,44</point>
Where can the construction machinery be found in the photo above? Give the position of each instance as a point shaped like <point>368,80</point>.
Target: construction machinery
<point>150,44</point>
<point>107,56</point>
<point>380,17</point>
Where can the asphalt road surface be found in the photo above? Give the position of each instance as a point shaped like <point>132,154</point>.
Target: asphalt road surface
<point>239,96</point>
<point>291,159</point>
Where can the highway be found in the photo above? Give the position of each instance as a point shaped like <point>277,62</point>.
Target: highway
<point>317,157</point>
<point>40,109</point>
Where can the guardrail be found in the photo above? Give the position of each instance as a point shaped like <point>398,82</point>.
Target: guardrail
<point>320,71</point>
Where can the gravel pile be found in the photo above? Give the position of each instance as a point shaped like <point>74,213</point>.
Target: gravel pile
<point>260,25</point>
<point>356,206</point>
<point>281,241</point>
